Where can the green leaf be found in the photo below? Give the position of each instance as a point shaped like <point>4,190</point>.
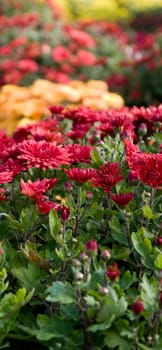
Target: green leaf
<point>149,293</point>
<point>116,231</point>
<point>144,248</point>
<point>158,261</point>
<point>96,157</point>
<point>112,307</point>
<point>28,276</point>
<point>61,292</point>
<point>91,301</point>
<point>127,279</point>
<point>54,225</point>
<point>52,328</point>
<point>101,326</point>
<point>112,340</point>
<point>28,216</point>
<point>147,212</point>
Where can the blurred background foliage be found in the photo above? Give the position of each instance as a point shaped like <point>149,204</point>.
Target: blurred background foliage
<point>113,10</point>
<point>106,9</point>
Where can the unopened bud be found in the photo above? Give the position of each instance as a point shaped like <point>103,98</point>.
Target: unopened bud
<point>91,247</point>
<point>76,262</point>
<point>105,254</point>
<point>68,186</point>
<point>159,240</point>
<point>142,130</point>
<point>83,256</point>
<point>138,307</point>
<point>78,276</point>
<point>89,195</point>
<point>104,290</point>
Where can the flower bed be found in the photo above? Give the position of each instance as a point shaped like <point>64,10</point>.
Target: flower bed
<point>80,231</point>
<point>37,45</point>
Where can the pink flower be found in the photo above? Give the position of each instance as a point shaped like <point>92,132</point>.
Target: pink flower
<point>60,54</point>
<point>84,58</point>
<point>79,153</point>
<point>42,154</point>
<point>79,175</point>
<point>81,38</point>
<point>27,65</point>
<point>35,189</point>
<point>122,198</point>
<point>6,176</point>
<point>44,205</point>
<point>107,176</point>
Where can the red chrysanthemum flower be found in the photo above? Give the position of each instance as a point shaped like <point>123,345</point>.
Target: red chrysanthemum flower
<point>107,176</point>
<point>35,189</point>
<point>12,165</point>
<point>79,153</point>
<point>6,176</point>
<point>113,272</point>
<point>79,175</point>
<point>44,205</point>
<point>122,198</point>
<point>147,167</point>
<point>42,154</point>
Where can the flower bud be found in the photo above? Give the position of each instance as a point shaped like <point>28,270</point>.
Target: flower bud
<point>160,298</point>
<point>142,130</point>
<point>76,263</point>
<point>65,213</point>
<point>68,186</point>
<point>91,247</point>
<point>104,290</point>
<point>83,256</point>
<point>1,250</point>
<point>78,276</point>
<point>159,240</point>
<point>105,255</point>
<point>132,178</point>
<point>89,195</point>
<point>138,307</point>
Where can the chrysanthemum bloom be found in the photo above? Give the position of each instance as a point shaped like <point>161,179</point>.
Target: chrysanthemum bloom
<point>60,54</point>
<point>79,153</point>
<point>34,189</point>
<point>14,166</point>
<point>107,176</point>
<point>147,167</point>
<point>79,131</point>
<point>122,198</point>
<point>113,272</point>
<point>42,154</point>
<point>45,205</point>
<point>6,176</point>
<point>79,175</point>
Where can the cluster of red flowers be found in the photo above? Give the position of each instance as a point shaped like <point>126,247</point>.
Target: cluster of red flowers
<point>42,146</point>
